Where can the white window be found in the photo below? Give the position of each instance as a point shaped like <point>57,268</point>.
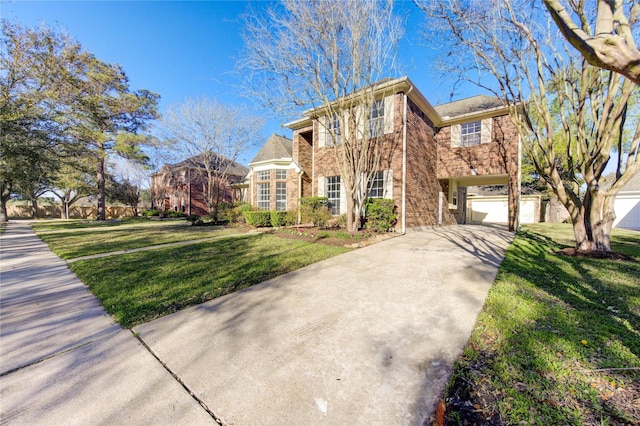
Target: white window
<point>281,195</point>
<point>471,133</point>
<point>281,174</point>
<point>264,175</point>
<point>376,119</point>
<point>333,193</point>
<point>264,190</point>
<point>375,188</point>
<point>333,130</point>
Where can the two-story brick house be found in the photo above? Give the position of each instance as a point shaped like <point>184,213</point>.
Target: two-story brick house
<point>430,154</point>
<point>183,186</point>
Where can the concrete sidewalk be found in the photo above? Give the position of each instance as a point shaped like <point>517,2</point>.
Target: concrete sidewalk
<point>63,360</point>
<point>368,337</point>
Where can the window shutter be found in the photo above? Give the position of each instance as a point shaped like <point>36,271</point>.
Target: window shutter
<point>485,130</point>
<point>360,122</point>
<point>321,188</point>
<point>345,130</point>
<point>388,114</point>
<point>455,135</point>
<point>343,197</point>
<point>322,131</point>
<point>388,183</point>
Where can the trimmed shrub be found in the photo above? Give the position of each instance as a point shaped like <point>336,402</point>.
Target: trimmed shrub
<point>339,222</point>
<point>315,210</point>
<point>283,218</point>
<point>173,214</point>
<point>258,218</point>
<point>150,213</point>
<point>379,214</point>
<point>194,219</point>
<point>235,212</point>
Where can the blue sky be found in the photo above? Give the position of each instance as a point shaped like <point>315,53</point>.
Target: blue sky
<point>183,49</point>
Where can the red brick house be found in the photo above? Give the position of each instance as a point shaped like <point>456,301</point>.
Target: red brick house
<point>430,154</point>
<point>182,186</point>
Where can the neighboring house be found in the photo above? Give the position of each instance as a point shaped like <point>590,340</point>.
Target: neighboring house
<point>627,205</point>
<point>183,186</point>
<point>430,153</point>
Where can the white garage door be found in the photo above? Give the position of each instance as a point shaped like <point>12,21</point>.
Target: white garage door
<point>627,208</point>
<point>497,210</point>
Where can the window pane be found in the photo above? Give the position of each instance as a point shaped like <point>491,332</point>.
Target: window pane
<point>281,196</point>
<point>376,119</point>
<point>264,175</point>
<point>333,194</point>
<point>281,174</point>
<point>333,132</point>
<point>470,133</point>
<point>264,190</point>
<point>376,186</point>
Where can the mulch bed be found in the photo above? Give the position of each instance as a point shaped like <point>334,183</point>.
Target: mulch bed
<point>595,254</point>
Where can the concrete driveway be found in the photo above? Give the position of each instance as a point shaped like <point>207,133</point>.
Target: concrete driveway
<point>367,337</point>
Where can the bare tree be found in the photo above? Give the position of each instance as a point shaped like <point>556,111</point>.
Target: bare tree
<point>611,46</point>
<point>213,135</point>
<point>128,178</point>
<point>326,56</point>
<point>574,115</point>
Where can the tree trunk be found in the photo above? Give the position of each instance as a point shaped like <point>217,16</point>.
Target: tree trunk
<point>592,227</point>
<point>102,198</point>
<point>601,218</point>
<point>352,219</point>
<point>34,207</point>
<point>5,195</point>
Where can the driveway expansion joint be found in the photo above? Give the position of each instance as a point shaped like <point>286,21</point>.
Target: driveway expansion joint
<point>204,406</point>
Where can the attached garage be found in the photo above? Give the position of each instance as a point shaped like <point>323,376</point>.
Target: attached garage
<point>495,209</point>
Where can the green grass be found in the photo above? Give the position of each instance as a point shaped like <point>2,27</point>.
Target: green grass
<point>139,287</point>
<point>71,239</point>
<point>550,321</point>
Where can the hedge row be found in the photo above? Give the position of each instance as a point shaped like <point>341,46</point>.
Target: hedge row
<point>271,218</point>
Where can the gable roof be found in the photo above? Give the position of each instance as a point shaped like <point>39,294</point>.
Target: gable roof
<point>476,107</point>
<point>468,106</point>
<point>275,147</point>
<point>633,184</point>
<point>197,161</point>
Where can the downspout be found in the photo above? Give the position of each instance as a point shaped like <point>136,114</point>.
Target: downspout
<point>189,189</point>
<point>313,160</point>
<point>404,165</point>
<point>519,180</point>
<point>299,194</point>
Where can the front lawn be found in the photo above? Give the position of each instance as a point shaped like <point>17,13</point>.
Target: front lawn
<point>71,239</point>
<point>558,340</point>
<point>139,287</point>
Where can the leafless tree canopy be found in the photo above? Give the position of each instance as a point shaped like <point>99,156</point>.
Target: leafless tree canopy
<point>214,135</point>
<point>315,55</point>
<point>570,116</point>
<point>611,44</point>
